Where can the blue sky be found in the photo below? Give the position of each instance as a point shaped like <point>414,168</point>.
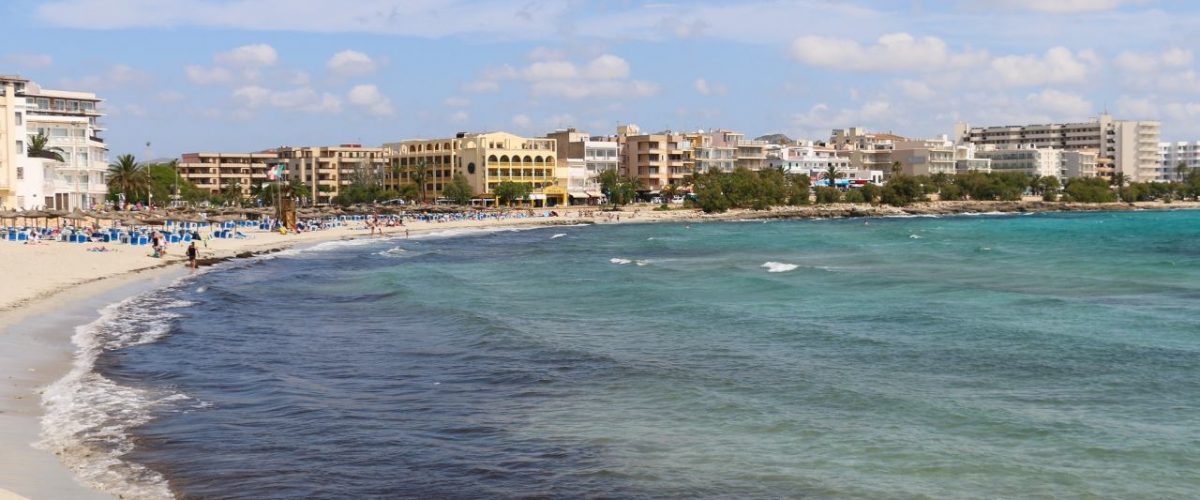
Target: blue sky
<point>234,75</point>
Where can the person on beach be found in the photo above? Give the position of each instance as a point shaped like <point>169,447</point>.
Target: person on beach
<point>191,255</point>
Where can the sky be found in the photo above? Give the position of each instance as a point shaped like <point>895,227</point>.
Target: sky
<point>244,75</point>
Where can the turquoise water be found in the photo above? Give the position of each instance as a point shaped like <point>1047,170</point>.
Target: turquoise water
<point>964,357</point>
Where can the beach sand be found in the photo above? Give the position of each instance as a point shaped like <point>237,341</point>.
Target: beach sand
<point>52,287</point>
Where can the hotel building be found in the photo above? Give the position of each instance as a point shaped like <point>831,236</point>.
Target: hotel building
<point>714,151</point>
<point>1030,160</point>
<point>212,172</point>
<point>1132,146</point>
<point>866,150</point>
<point>327,169</point>
<point>486,160</point>
<point>1171,154</point>
<point>70,123</point>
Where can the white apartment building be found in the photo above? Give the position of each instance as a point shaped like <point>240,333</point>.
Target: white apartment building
<point>1172,154</point>
<point>71,122</point>
<point>966,161</point>
<point>807,158</point>
<point>1078,164</point>
<point>1132,146</point>
<point>1028,159</point>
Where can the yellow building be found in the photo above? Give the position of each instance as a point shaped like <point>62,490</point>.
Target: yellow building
<point>485,159</point>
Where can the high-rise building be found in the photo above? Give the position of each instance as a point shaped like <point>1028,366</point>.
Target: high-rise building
<point>485,160</point>
<point>214,172</point>
<point>1131,145</point>
<point>325,170</point>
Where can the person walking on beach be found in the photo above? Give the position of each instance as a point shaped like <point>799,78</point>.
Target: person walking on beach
<point>191,255</point>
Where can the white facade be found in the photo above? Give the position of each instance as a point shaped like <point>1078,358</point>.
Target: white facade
<point>1078,164</point>
<point>1042,162</point>
<point>1171,154</point>
<point>926,157</point>
<point>70,122</point>
<point>1132,145</point>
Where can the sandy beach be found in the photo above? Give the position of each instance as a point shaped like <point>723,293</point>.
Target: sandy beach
<point>52,287</point>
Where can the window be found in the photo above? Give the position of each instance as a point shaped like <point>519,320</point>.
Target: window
<point>20,147</point>
<point>20,173</point>
<point>20,119</point>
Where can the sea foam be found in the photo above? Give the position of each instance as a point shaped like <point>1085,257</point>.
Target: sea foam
<point>88,416</point>
<point>779,267</point>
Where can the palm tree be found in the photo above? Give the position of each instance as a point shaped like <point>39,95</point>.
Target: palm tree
<point>831,174</point>
<point>667,192</point>
<point>897,168</point>
<point>1035,184</point>
<point>37,149</point>
<point>1181,170</point>
<point>128,177</point>
<point>1118,180</point>
<point>419,173</point>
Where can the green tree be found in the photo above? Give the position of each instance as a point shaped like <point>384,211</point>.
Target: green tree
<point>418,173</point>
<point>902,190</point>
<point>830,174</point>
<point>459,190</point>
<point>1088,190</point>
<point>37,149</point>
<point>619,190</point>
<point>826,194</point>
<point>508,191</point>
<point>128,177</point>
<point>1181,170</point>
<point>870,192</point>
<point>1119,180</point>
<point>1049,186</point>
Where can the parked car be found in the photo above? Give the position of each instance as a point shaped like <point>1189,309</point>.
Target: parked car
<point>677,199</point>
<point>657,200</point>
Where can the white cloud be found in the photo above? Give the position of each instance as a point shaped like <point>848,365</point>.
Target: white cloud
<point>1064,6</point>
<point>607,67</point>
<point>605,76</point>
<point>369,98</point>
<point>1141,62</point>
<point>1058,65</point>
<point>821,118</point>
<point>349,63</point>
<point>300,99</point>
<point>704,88</point>
<point>459,116</point>
<point>1063,105</point>
<point>120,75</point>
<point>201,75</point>
<point>249,56</point>
<point>457,102</point>
<point>916,90</point>
<point>34,61</point>
<point>891,52</point>
<point>522,121</point>
<point>1137,107</point>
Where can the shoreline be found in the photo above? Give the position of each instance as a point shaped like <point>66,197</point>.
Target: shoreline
<point>40,350</point>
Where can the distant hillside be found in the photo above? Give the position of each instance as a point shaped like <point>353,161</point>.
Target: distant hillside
<point>775,139</point>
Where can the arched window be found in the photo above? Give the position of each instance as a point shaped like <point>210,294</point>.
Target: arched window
<point>528,159</point>
<point>549,159</point>
<point>538,158</point>
<point>492,158</point>
<point>503,158</point>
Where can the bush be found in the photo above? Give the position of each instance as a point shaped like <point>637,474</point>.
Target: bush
<point>902,190</point>
<point>870,193</point>
<point>1089,190</point>
<point>828,195</point>
<point>854,196</point>
<point>951,193</point>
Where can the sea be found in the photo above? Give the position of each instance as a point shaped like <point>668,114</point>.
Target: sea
<point>976,356</point>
